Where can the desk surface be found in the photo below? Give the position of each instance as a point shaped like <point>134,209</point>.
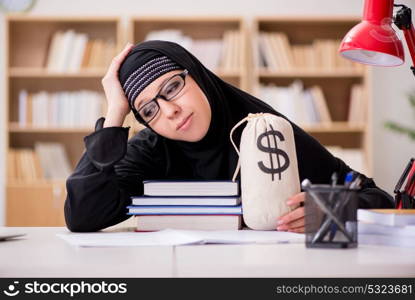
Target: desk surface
<point>42,254</point>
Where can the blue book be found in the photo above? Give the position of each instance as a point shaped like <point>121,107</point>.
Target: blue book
<point>187,200</point>
<point>184,210</point>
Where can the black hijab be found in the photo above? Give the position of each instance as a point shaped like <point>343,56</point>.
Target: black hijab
<point>213,157</point>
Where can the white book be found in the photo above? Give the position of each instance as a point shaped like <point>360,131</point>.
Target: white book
<point>54,110</point>
<point>190,188</point>
<point>312,113</point>
<point>271,62</point>
<point>300,110</point>
<point>387,240</point>
<point>194,201</point>
<point>354,158</point>
<point>34,110</point>
<point>208,51</point>
<point>65,50</point>
<point>54,51</point>
<point>378,229</point>
<point>172,35</point>
<point>79,45</point>
<point>53,160</point>
<point>284,103</point>
<point>153,223</point>
<point>321,104</point>
<point>22,118</point>
<point>390,217</point>
<point>184,210</point>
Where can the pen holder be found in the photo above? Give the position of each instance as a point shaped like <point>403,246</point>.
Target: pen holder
<point>330,217</point>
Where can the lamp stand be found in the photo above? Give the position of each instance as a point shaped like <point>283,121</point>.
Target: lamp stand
<point>403,20</point>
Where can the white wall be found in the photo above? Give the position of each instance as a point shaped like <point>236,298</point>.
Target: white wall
<point>391,152</point>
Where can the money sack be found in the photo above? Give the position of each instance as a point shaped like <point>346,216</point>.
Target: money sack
<point>269,169</point>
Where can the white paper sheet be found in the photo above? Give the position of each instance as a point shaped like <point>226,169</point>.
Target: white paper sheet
<point>170,237</point>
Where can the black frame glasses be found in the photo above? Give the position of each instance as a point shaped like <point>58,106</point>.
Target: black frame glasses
<point>140,113</point>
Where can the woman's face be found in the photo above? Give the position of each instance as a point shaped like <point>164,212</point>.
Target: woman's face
<point>186,117</point>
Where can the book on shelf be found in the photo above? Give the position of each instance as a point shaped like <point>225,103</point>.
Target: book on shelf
<point>275,53</point>
<point>357,106</point>
<point>321,104</point>
<point>53,160</point>
<point>353,157</point>
<point>23,165</point>
<point>389,227</point>
<point>222,53</point>
<point>71,51</point>
<point>198,222</point>
<point>180,200</point>
<point>184,210</point>
<point>388,217</point>
<point>302,106</point>
<point>190,188</point>
<point>60,109</point>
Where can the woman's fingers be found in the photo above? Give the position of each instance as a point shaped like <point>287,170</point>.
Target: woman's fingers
<point>291,220</point>
<point>298,230</point>
<point>296,199</point>
<point>296,223</point>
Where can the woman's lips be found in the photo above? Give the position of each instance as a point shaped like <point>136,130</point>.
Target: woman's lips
<point>185,123</point>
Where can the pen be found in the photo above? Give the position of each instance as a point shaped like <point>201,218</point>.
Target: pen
<point>348,181</point>
<point>332,191</point>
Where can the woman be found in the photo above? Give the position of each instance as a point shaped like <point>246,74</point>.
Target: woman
<point>188,112</point>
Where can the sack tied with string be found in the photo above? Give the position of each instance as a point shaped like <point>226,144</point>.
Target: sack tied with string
<point>269,169</point>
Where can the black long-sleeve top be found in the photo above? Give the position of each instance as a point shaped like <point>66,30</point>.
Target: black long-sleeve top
<point>112,170</point>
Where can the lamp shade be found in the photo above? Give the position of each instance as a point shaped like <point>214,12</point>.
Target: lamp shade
<point>373,41</point>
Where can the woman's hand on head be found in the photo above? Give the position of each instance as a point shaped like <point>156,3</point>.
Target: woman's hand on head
<point>117,104</point>
<point>293,221</point>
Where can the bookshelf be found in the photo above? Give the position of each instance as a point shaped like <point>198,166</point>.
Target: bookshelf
<point>39,202</point>
<point>335,78</point>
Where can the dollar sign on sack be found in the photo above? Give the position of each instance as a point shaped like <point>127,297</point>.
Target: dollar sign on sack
<point>278,152</point>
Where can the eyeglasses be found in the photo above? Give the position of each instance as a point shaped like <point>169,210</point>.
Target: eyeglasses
<point>170,89</point>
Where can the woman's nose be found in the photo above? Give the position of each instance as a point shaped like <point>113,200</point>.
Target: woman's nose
<point>169,108</point>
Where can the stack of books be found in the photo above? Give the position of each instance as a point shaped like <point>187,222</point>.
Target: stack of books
<point>193,205</point>
<point>390,227</point>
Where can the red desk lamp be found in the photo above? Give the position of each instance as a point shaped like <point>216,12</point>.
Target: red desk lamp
<point>374,42</point>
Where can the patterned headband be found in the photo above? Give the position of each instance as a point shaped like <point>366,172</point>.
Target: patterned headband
<point>145,75</point>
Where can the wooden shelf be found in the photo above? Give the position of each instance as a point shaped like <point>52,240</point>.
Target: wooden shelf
<point>226,74</point>
<point>44,73</point>
<point>334,127</point>
<point>304,73</point>
<point>16,128</point>
<point>35,183</point>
